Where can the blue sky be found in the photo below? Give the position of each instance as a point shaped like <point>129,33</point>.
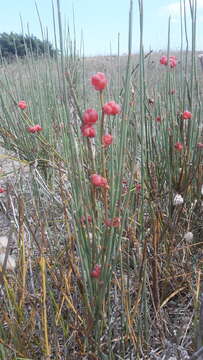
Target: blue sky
<point>100,21</point>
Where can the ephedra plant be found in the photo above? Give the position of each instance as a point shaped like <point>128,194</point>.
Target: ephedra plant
<point>107,213</point>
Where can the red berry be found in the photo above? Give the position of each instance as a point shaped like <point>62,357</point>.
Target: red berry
<point>138,187</point>
<point>38,128</point>
<point>107,109</point>
<point>88,131</point>
<point>172,61</point>
<point>107,139</point>
<point>90,117</point>
<point>158,119</point>
<point>111,108</point>
<point>96,272</point>
<point>99,81</point>
<point>115,222</point>
<point>163,60</point>
<point>107,222</point>
<point>31,129</point>
<point>98,180</point>
<point>178,146</point>
<point>34,129</point>
<point>84,219</point>
<point>2,190</point>
<point>186,115</point>
<point>22,105</point>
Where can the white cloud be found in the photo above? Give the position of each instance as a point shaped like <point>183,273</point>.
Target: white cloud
<point>200,4</point>
<point>173,9</point>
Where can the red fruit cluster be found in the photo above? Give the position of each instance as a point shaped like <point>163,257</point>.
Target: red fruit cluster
<point>34,129</point>
<point>89,118</point>
<point>111,108</point>
<point>2,190</point>
<point>22,105</point>
<point>88,131</point>
<point>178,146</point>
<point>115,222</point>
<point>163,60</point>
<point>99,181</point>
<point>96,272</point>
<point>107,140</point>
<point>84,220</point>
<point>172,61</point>
<point>186,115</point>
<point>158,119</point>
<point>99,81</point>
<point>138,187</point>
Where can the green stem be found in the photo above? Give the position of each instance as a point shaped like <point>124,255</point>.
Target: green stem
<point>102,125</point>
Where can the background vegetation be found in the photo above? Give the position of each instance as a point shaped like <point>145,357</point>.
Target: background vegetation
<point>18,45</point>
